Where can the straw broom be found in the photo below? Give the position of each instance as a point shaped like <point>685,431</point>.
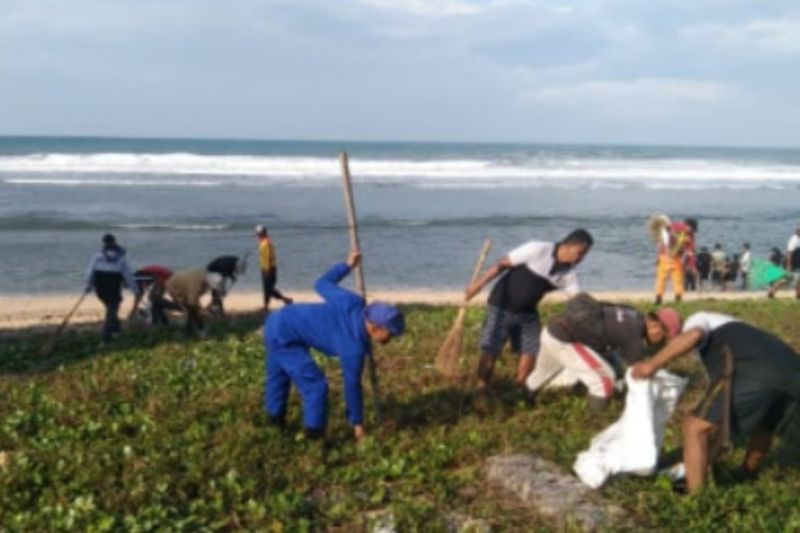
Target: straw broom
<point>47,348</point>
<point>449,354</point>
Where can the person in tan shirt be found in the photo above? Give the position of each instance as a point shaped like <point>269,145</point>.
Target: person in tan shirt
<point>185,288</point>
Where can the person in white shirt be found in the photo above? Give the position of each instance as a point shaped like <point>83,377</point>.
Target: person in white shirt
<point>528,273</point>
<point>745,264</point>
<point>764,380</point>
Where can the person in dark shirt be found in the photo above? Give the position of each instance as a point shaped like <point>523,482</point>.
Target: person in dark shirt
<point>703,268</point>
<point>528,273</point>
<point>230,267</point>
<point>108,271</point>
<point>764,374</point>
<point>580,346</point>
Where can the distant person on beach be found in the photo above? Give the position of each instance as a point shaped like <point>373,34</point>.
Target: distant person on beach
<point>754,382</point>
<point>731,272</point>
<point>152,279</point>
<point>792,266</point>
<point>528,273</point>
<point>719,261</point>
<point>703,268</point>
<point>344,326</point>
<point>186,288</point>
<point>108,271</point>
<point>690,273</point>
<point>592,342</point>
<point>745,265</point>
<point>677,241</point>
<point>229,267</point>
<point>269,268</point>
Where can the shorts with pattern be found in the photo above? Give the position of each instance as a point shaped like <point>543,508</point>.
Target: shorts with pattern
<point>521,329</point>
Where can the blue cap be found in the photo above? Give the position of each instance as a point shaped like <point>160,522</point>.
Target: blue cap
<point>386,316</point>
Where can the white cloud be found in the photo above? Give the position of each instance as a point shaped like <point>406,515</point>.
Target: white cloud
<point>428,8</point>
<point>621,91</point>
<point>774,36</point>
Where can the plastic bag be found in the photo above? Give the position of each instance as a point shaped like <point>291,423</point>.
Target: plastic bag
<point>632,443</point>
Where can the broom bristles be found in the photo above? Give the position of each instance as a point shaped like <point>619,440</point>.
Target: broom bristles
<point>449,354</point>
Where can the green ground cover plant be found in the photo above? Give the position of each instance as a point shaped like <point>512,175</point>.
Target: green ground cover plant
<point>154,432</point>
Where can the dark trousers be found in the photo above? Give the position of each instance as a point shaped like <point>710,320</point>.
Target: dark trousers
<point>269,278</point>
<point>111,324</point>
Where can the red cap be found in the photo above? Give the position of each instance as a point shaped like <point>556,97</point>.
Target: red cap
<point>671,320</point>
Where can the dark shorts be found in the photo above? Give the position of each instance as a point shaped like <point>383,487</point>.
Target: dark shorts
<point>760,402</point>
<point>522,330</point>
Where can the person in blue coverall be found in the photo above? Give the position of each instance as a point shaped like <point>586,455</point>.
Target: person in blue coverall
<point>343,326</point>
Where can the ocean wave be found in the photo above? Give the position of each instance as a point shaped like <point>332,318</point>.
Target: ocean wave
<point>188,169</point>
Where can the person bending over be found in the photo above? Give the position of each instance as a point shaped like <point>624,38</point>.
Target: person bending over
<point>763,374</point>
<point>342,326</point>
<point>591,340</point>
<point>527,273</point>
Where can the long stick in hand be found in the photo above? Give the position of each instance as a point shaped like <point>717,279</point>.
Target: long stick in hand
<point>447,358</point>
<point>47,348</point>
<point>352,224</point>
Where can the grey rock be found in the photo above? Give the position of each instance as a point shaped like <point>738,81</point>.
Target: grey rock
<point>554,494</point>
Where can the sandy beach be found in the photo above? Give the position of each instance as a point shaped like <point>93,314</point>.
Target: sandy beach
<point>18,311</point>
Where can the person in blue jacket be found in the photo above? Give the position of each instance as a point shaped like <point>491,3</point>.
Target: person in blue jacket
<point>343,326</point>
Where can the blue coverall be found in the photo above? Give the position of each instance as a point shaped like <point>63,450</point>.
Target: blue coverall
<point>335,328</point>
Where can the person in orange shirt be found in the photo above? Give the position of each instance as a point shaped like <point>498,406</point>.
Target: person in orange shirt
<point>269,268</point>
<point>676,245</point>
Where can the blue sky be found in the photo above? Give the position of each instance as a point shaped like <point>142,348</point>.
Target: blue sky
<point>713,72</point>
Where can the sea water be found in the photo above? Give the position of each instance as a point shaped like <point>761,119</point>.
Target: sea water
<point>424,209</point>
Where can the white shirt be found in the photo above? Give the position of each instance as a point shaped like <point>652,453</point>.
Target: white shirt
<point>707,322</point>
<point>539,258</point>
<point>794,243</point>
<point>744,262</point>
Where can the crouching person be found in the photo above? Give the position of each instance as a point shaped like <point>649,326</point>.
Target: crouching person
<point>342,326</point>
<point>186,288</point>
<point>754,384</point>
<point>581,345</point>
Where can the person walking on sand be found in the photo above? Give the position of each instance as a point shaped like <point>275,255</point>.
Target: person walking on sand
<point>108,271</point>
<point>675,246</point>
<point>186,288</point>
<point>229,267</point>
<point>745,265</point>
<point>592,342</point>
<point>269,268</point>
<point>792,266</point>
<point>528,273</point>
<point>343,326</point>
<point>763,386</point>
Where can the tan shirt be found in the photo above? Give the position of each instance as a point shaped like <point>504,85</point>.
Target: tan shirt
<point>188,286</point>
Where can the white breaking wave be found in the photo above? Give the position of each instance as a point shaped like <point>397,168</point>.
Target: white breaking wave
<point>187,169</point>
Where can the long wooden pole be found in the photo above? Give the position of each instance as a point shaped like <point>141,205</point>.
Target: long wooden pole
<point>352,225</point>
<point>47,348</point>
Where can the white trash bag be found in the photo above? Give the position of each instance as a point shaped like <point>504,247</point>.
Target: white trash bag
<point>631,444</point>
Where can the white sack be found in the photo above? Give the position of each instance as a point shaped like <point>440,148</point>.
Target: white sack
<point>631,444</point>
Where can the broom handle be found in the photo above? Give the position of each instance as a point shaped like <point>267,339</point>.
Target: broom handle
<point>69,315</point>
<point>487,245</point>
<point>352,224</point>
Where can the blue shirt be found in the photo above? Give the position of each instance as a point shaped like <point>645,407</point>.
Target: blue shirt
<point>335,328</point>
